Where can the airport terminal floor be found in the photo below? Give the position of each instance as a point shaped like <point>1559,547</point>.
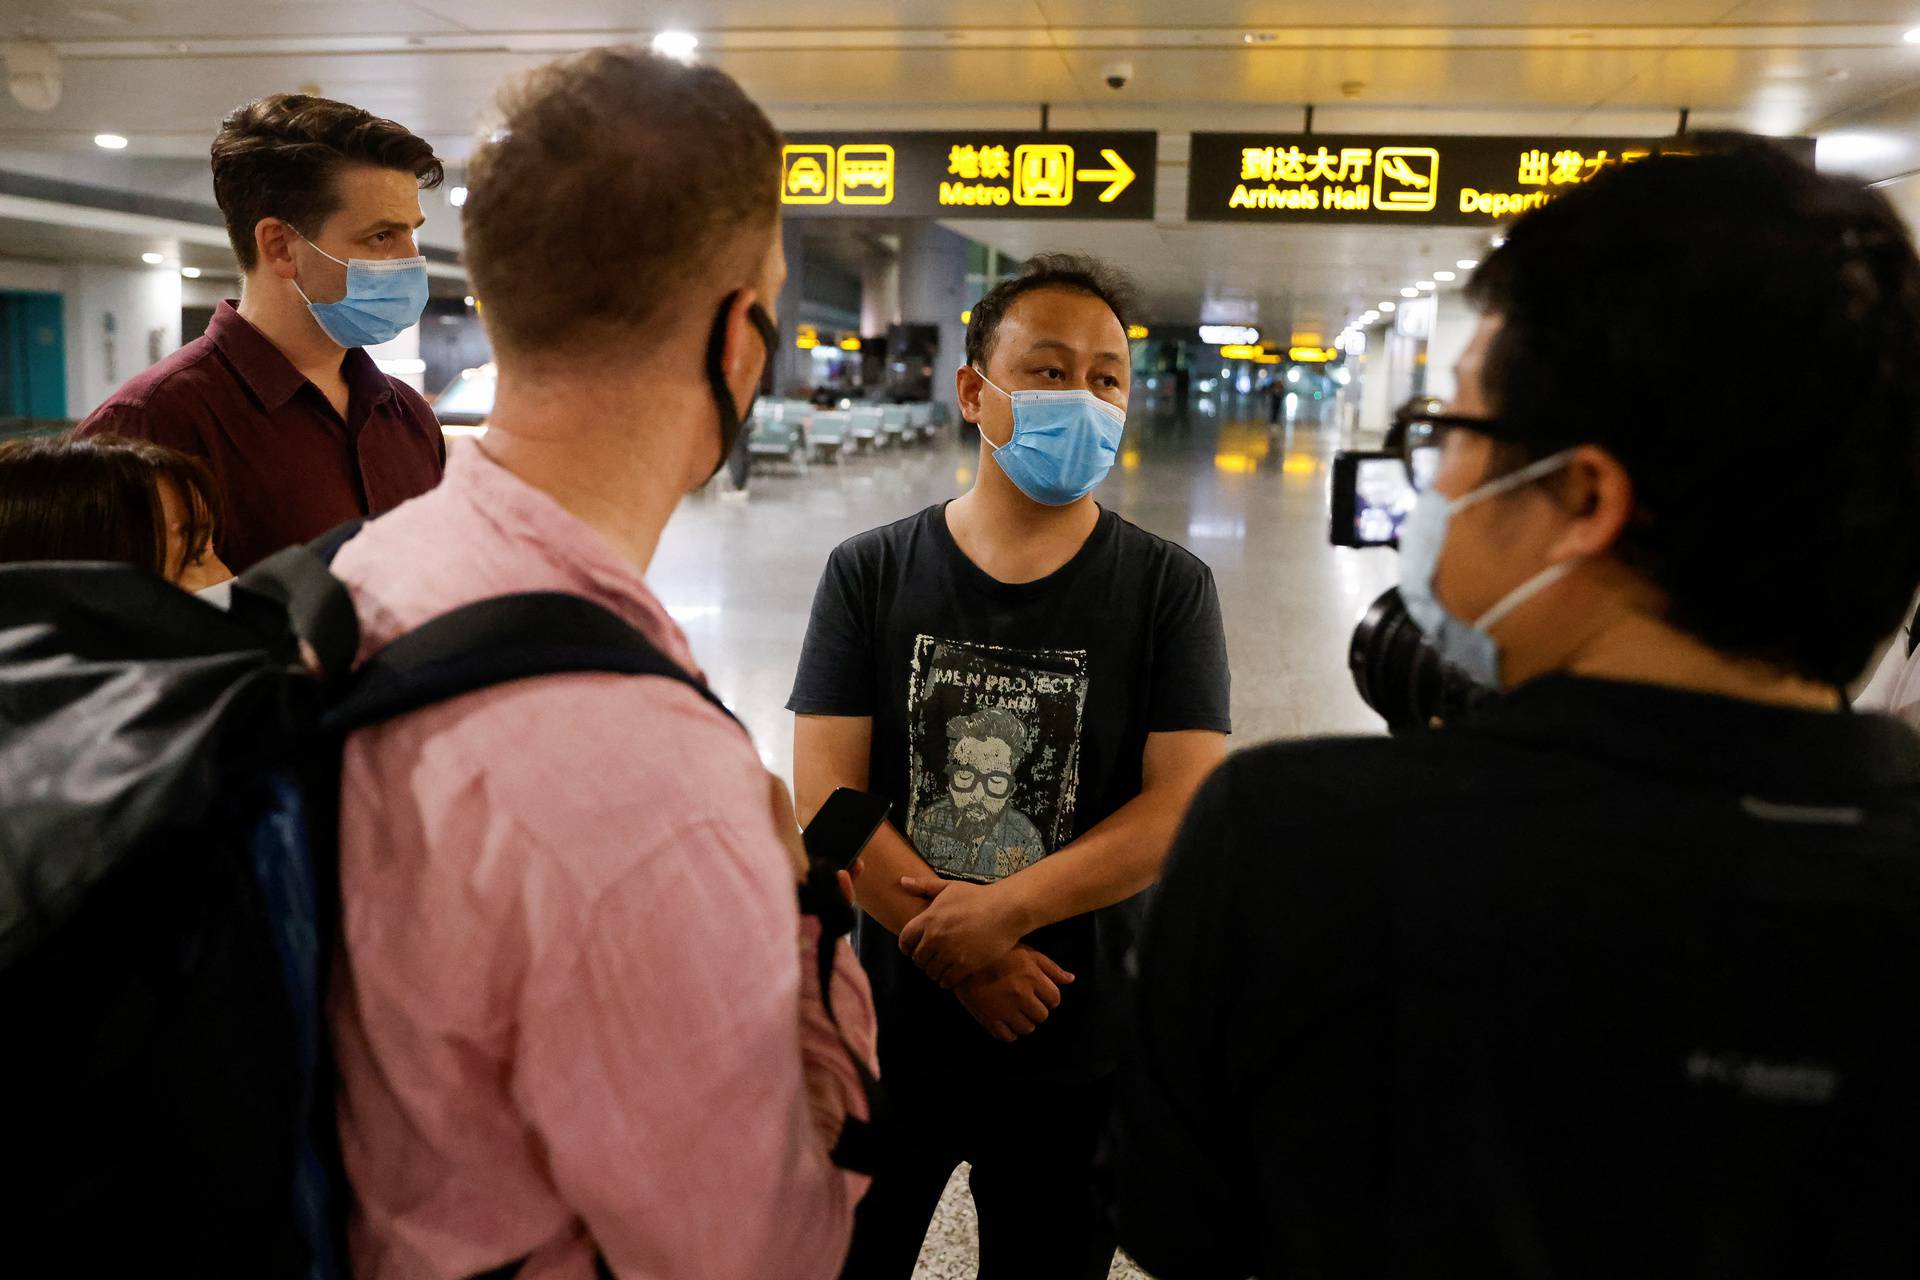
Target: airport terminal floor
<point>1248,498</point>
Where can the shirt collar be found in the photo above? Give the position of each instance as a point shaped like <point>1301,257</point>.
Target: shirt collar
<point>271,376</point>
<point>576,558</point>
<point>1783,752</point>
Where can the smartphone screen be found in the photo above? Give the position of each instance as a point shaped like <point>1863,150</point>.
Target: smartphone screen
<point>1372,497</point>
<point>843,826</point>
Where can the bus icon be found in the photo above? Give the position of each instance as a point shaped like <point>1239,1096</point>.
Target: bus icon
<point>866,173</point>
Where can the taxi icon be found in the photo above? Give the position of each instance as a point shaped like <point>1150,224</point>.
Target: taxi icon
<point>809,174</point>
<point>806,175</point>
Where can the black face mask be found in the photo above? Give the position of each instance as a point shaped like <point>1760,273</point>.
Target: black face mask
<point>732,416</point>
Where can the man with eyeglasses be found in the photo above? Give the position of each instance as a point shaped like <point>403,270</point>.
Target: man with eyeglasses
<point>975,832</point>
<point>1615,975</point>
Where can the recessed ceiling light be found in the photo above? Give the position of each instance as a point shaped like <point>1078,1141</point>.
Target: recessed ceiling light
<point>456,196</point>
<point>153,259</point>
<point>1409,292</point>
<point>191,273</point>
<point>1467,264</point>
<point>1444,276</point>
<point>1425,286</point>
<point>110,141</point>
<point>1913,36</point>
<point>676,44</point>
<point>469,299</point>
<point>1388,308</point>
<point>1497,240</point>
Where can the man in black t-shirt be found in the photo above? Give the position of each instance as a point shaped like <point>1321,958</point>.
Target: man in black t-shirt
<point>1039,687</point>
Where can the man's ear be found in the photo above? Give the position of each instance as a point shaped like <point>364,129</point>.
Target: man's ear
<point>1598,495</point>
<point>273,245</point>
<point>743,342</point>
<point>969,386</point>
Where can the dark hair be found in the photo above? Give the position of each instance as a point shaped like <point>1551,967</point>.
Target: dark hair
<point>1743,335</point>
<point>278,157</point>
<point>616,183</point>
<point>1081,272</point>
<point>99,499</point>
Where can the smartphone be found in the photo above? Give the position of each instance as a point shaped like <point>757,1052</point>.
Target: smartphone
<point>844,825</point>
<point>1372,497</point>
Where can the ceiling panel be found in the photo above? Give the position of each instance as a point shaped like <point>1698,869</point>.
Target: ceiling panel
<point>164,71</point>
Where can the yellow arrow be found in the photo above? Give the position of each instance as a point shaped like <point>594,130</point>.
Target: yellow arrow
<point>1121,175</point>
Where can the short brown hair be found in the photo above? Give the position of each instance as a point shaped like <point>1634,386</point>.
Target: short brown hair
<point>614,182</point>
<point>99,499</point>
<point>277,158</point>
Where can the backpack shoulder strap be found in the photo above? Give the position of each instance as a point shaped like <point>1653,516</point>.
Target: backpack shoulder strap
<point>496,641</point>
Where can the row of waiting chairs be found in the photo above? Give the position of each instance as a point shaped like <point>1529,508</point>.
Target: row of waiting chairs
<point>798,432</point>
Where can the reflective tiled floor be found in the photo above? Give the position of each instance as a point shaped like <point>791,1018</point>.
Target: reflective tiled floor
<point>1249,499</point>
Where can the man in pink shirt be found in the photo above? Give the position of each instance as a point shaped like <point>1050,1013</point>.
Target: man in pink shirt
<point>577,1021</point>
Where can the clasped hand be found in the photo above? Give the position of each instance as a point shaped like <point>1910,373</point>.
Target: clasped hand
<point>964,928</point>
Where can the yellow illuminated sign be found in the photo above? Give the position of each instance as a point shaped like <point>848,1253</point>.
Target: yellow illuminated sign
<point>966,317</point>
<point>849,344</point>
<point>1403,179</point>
<point>1135,332</point>
<point>1043,174</point>
<point>1102,174</point>
<point>866,173</point>
<point>1312,355</point>
<point>1118,175</point>
<point>1240,351</point>
<point>808,170</point>
<point>1406,179</point>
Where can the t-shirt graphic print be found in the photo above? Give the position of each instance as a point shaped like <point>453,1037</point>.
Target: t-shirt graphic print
<point>994,740</point>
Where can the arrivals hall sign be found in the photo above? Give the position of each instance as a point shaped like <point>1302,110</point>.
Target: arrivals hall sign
<point>1401,181</point>
<point>983,174</point>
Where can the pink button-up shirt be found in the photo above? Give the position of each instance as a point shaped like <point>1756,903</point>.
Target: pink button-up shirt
<point>577,1010</point>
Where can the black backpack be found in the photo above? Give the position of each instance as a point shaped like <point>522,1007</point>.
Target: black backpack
<point>169,775</point>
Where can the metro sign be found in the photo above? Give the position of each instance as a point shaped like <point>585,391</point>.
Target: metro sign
<point>985,173</point>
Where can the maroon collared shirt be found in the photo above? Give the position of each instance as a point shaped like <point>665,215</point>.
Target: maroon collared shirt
<point>288,466</point>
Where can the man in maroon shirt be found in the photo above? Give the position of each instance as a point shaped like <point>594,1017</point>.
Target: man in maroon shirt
<point>300,428</point>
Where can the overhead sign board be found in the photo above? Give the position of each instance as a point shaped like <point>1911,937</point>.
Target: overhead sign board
<point>979,174</point>
<point>1435,180</point>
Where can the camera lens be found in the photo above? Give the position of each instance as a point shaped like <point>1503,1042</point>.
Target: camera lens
<point>1399,675</point>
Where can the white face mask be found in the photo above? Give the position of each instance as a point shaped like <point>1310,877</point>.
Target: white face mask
<point>1470,646</point>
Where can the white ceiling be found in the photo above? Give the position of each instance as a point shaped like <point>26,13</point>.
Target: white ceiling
<point>162,72</point>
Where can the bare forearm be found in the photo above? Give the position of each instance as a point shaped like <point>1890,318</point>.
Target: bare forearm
<point>878,891</point>
<point>1109,864</point>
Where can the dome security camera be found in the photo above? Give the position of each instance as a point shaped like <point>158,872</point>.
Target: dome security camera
<point>33,74</point>
<point>1118,75</point>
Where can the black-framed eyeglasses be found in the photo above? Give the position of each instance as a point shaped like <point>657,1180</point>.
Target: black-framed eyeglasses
<point>998,784</point>
<point>1427,436</point>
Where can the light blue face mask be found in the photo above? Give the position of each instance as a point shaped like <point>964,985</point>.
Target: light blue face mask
<point>1063,445</point>
<point>385,297</point>
<point>1470,646</point>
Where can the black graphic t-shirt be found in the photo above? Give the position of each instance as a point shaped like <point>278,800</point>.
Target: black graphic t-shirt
<point>1008,719</point>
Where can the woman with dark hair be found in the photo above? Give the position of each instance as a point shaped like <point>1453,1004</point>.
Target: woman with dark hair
<point>110,498</point>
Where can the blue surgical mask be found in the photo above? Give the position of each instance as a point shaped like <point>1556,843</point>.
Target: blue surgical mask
<point>385,297</point>
<point>1063,445</point>
<point>1470,646</point>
